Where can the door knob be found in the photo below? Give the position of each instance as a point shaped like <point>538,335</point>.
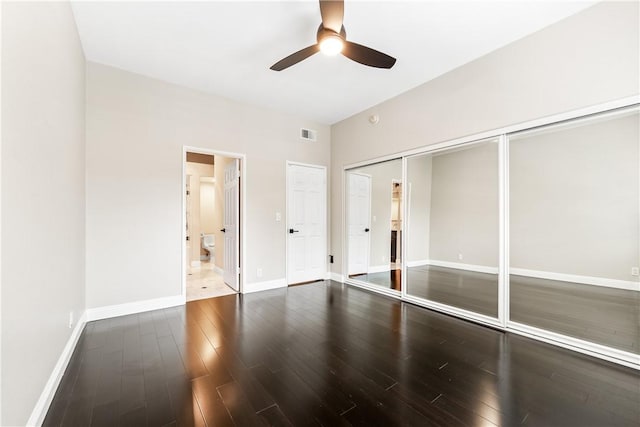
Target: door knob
<point>366,230</point>
<point>291,231</point>
<point>224,230</point>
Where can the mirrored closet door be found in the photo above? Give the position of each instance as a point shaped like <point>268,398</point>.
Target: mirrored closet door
<point>453,227</point>
<point>575,229</point>
<point>375,224</point>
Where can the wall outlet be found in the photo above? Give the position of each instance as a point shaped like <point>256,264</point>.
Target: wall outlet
<point>459,257</point>
<point>278,217</point>
<point>70,319</point>
<point>374,218</point>
<point>635,271</point>
<point>259,272</point>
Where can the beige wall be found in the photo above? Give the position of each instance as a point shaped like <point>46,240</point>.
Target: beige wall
<point>134,235</point>
<point>43,196</point>
<point>587,59</point>
<point>196,171</point>
<point>575,200</point>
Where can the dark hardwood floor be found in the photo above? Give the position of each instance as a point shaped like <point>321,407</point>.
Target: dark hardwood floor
<point>329,354</point>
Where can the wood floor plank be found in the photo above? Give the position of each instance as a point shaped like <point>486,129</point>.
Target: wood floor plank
<point>238,406</point>
<point>136,417</point>
<point>274,417</point>
<point>213,409</point>
<point>297,402</point>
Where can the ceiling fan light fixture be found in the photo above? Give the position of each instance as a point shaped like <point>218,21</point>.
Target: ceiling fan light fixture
<point>331,45</point>
<point>331,39</point>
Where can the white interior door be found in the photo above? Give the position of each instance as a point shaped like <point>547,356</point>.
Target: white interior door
<point>358,223</point>
<point>306,223</point>
<point>231,223</point>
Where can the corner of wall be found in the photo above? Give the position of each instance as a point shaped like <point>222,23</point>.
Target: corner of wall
<point>46,397</point>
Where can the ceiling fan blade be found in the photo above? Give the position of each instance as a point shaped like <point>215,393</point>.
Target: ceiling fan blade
<point>294,58</point>
<point>367,56</point>
<point>332,12</point>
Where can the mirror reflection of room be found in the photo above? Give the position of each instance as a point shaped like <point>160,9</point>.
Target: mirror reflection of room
<point>575,229</point>
<point>374,213</point>
<point>452,230</point>
<point>396,225</point>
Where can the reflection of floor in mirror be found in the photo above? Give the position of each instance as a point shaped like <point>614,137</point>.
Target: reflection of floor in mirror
<point>388,279</point>
<point>205,282</point>
<point>470,290</point>
<point>599,314</point>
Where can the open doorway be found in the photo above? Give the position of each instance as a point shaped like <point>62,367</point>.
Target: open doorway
<point>395,256</point>
<point>212,208</point>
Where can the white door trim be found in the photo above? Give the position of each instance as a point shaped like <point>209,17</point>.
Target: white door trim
<point>243,204</point>
<point>286,216</point>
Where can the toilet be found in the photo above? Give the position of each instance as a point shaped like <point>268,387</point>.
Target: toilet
<point>209,244</point>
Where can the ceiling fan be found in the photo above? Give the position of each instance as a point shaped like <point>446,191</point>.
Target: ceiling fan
<point>332,39</point>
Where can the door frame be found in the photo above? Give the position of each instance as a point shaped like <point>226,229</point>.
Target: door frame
<point>242,202</point>
<point>326,216</point>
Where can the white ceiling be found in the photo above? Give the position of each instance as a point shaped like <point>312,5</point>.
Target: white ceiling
<point>226,48</point>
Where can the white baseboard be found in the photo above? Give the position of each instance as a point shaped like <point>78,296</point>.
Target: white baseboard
<point>44,401</point>
<point>195,264</point>
<point>379,268</point>
<point>337,277</point>
<point>418,263</point>
<point>99,313</point>
<point>467,267</point>
<point>264,286</point>
<point>218,270</point>
<point>587,280</point>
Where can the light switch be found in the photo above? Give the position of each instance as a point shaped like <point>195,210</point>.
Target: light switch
<point>278,216</point>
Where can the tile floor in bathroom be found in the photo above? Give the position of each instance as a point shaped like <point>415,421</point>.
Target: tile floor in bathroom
<point>203,282</point>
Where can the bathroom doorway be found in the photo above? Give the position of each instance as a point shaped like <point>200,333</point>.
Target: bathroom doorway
<point>212,212</point>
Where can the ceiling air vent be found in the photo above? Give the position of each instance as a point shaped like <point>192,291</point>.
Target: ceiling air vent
<point>308,135</point>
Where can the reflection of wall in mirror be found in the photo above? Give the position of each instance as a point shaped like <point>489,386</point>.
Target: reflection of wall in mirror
<point>418,193</point>
<point>574,200</point>
<point>464,220</point>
